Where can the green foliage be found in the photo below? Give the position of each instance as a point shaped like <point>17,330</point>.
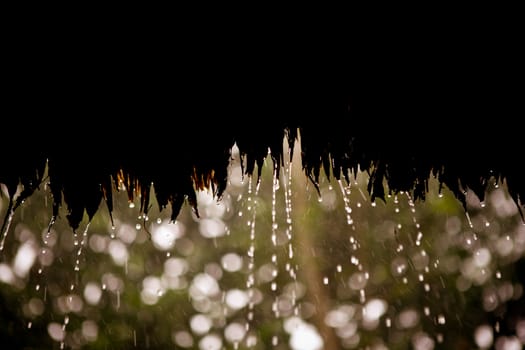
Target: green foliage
<point>396,273</point>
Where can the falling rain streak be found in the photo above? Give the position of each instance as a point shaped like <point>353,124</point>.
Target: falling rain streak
<point>6,226</point>
<point>252,206</point>
<point>271,264</point>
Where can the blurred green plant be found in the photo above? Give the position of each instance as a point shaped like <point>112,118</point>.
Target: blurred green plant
<point>272,264</point>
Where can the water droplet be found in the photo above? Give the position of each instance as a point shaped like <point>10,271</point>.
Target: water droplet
<point>471,225</point>
<point>275,340</point>
<point>441,319</point>
<point>362,296</point>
